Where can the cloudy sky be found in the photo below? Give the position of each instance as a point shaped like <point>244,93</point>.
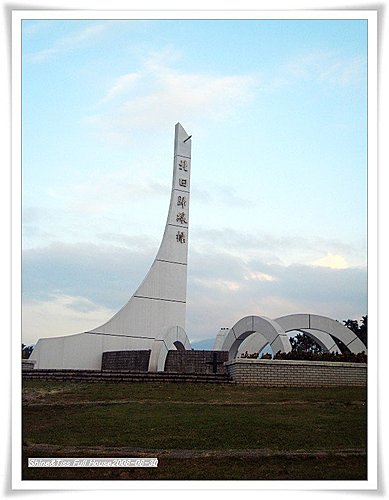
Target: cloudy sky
<point>277,110</point>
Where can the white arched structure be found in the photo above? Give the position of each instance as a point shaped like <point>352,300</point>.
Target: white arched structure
<point>252,344</point>
<point>173,338</point>
<point>217,346</point>
<point>245,327</point>
<point>315,325</point>
<point>325,341</point>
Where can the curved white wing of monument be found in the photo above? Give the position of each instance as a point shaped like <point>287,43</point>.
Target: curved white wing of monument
<point>159,303</point>
<point>160,300</point>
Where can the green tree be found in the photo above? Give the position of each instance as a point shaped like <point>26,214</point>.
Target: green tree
<point>359,328</point>
<point>26,351</point>
<point>303,343</point>
<point>352,324</point>
<point>363,330</point>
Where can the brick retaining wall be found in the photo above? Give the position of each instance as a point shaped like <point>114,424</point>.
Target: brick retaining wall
<point>187,361</point>
<point>110,377</point>
<point>136,361</point>
<point>291,373</point>
<point>265,373</point>
<point>196,361</point>
<point>27,364</point>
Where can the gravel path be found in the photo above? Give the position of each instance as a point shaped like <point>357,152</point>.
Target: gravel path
<point>126,452</point>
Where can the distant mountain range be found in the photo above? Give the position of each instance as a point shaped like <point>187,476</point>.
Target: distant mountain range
<point>203,345</point>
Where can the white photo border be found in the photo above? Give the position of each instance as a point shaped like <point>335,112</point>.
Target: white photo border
<point>371,16</point>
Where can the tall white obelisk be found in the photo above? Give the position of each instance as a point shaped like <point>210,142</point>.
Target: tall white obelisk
<point>160,300</point>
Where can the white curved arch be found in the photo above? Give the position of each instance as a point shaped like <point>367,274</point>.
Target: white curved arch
<point>217,346</point>
<point>271,330</point>
<point>163,344</point>
<point>314,322</point>
<point>252,344</point>
<point>325,341</point>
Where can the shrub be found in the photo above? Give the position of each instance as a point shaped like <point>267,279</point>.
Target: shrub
<point>345,357</point>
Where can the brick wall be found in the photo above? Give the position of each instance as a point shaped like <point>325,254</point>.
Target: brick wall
<point>135,361</point>
<point>27,364</point>
<point>196,361</point>
<point>112,377</point>
<point>282,373</point>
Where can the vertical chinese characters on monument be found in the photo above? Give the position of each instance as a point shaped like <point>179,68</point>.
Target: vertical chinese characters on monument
<point>180,237</point>
<point>183,165</point>
<point>181,216</point>
<point>181,201</point>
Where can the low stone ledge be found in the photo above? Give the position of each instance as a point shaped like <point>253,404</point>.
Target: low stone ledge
<point>296,373</point>
<point>96,376</point>
<point>279,362</point>
<point>28,364</point>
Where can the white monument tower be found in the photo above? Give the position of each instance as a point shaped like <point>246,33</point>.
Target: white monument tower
<point>154,317</point>
<point>160,300</point>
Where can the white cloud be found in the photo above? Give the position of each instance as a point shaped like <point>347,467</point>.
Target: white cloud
<point>323,66</point>
<point>255,275</point>
<point>271,290</point>
<point>120,86</point>
<point>61,315</point>
<point>114,189</point>
<point>72,288</point>
<point>66,43</point>
<point>31,28</point>
<point>218,284</point>
<point>157,95</point>
<point>332,261</point>
<point>343,72</point>
<point>278,249</point>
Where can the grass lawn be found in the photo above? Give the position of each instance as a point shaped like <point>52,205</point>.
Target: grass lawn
<point>197,431</point>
